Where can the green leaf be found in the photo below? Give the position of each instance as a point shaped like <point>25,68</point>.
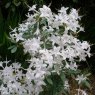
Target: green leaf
<point>62,76</point>
<point>75,1</point>
<point>1,82</point>
<point>65,92</point>
<point>16,3</point>
<point>8,5</point>
<point>49,80</point>
<point>11,47</point>
<point>87,75</point>
<point>87,84</point>
<point>13,8</point>
<point>13,50</point>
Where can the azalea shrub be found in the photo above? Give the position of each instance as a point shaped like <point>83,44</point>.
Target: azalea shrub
<point>51,42</point>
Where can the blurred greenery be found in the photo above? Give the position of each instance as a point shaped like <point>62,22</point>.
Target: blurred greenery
<point>54,86</point>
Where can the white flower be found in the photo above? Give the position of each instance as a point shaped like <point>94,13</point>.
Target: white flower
<point>74,14</point>
<point>81,78</point>
<point>85,45</point>
<point>66,85</point>
<point>32,8</point>
<point>47,57</point>
<point>31,45</point>
<point>1,64</point>
<point>19,37</point>
<point>82,92</point>
<point>71,66</point>
<point>45,11</point>
<point>63,10</point>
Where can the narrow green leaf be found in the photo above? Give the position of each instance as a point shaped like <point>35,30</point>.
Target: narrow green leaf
<point>13,50</point>
<point>8,5</point>
<point>65,92</point>
<point>11,47</point>
<point>16,3</point>
<point>87,84</point>
<point>49,80</point>
<point>62,76</point>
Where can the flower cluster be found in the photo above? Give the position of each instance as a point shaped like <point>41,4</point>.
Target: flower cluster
<point>50,41</point>
<point>15,82</point>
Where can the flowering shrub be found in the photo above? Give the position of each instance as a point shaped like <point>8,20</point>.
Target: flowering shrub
<point>50,39</point>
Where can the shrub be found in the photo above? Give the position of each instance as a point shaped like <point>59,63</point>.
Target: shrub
<point>51,41</point>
